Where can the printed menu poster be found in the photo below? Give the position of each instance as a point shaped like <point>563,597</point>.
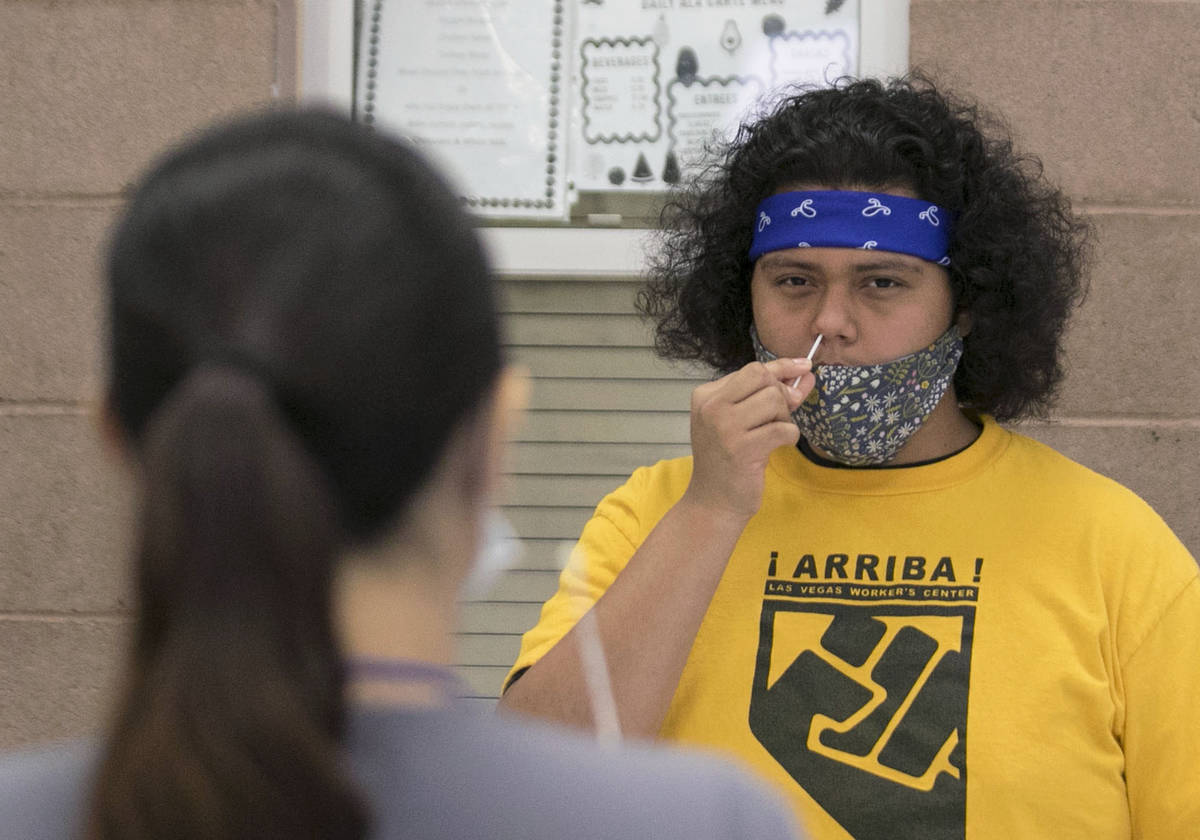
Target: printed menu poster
<point>481,86</point>
<point>657,80</point>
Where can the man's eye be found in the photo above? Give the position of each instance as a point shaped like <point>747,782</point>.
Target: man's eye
<point>884,283</point>
<point>793,281</point>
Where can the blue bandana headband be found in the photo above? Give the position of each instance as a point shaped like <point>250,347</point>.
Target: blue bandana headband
<point>839,219</point>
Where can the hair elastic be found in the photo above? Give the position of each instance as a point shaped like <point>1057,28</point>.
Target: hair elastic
<point>841,219</point>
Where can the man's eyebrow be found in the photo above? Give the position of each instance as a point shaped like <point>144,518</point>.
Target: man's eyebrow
<point>887,265</point>
<point>783,261</point>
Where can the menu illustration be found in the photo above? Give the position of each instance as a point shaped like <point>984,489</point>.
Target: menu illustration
<point>525,102</point>
<point>659,81</point>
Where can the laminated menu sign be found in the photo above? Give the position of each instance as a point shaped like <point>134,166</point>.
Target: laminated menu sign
<point>658,80</point>
<point>481,86</point>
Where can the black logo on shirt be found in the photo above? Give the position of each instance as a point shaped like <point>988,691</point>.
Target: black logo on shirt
<point>864,703</point>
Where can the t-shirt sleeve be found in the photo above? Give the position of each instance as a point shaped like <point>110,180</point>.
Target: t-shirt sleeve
<point>1161,679</point>
<point>608,540</point>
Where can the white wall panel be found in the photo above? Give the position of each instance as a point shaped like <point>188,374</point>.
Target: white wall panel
<point>482,680</point>
<point>605,426</point>
<point>556,523</point>
<point>615,459</point>
<point>486,648</point>
<point>485,617</point>
<point>557,490</point>
<point>543,554</point>
<point>577,330</point>
<point>597,296</point>
<point>600,362</point>
<point>585,394</point>
<point>602,404</point>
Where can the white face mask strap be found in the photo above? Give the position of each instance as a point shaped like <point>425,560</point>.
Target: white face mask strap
<point>498,550</point>
<point>595,675</point>
<point>594,665</point>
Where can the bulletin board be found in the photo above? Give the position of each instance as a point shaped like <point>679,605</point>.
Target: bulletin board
<point>482,86</point>
<point>658,81</point>
<point>533,105</point>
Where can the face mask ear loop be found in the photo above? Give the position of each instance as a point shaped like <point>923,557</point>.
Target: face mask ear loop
<point>498,550</point>
<point>595,673</point>
<point>594,664</point>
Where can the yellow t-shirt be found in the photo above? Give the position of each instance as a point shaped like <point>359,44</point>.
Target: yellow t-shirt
<point>1002,644</point>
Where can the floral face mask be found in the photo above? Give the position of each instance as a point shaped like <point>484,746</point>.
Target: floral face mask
<point>863,414</point>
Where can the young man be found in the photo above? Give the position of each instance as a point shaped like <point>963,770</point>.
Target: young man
<point>917,623</point>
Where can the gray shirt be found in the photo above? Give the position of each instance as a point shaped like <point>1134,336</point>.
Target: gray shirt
<point>453,773</point>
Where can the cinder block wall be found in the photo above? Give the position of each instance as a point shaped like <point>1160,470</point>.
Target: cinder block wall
<point>1105,92</point>
<point>1108,95</point>
<point>90,91</point>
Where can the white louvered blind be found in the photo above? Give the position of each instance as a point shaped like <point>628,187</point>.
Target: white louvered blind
<point>602,404</point>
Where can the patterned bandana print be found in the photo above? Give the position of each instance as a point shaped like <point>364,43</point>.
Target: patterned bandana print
<point>863,414</point>
<point>863,220</point>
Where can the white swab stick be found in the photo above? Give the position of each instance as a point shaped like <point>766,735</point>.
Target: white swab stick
<point>816,344</point>
<point>811,353</point>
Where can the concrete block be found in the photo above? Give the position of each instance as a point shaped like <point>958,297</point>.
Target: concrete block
<point>65,517</point>
<point>59,677</point>
<point>1157,462</point>
<point>51,300</point>
<point>1103,92</point>
<point>1134,347</point>
<point>93,90</point>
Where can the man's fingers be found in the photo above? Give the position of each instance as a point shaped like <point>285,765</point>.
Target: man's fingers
<point>765,406</point>
<point>773,435</point>
<point>787,370</point>
<point>751,379</point>
<point>798,389</point>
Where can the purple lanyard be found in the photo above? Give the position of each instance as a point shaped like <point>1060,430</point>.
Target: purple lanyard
<point>405,670</point>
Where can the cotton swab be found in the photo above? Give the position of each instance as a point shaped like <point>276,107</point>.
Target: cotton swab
<point>810,355</point>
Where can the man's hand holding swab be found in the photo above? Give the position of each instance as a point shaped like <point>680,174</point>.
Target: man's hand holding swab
<point>737,421</point>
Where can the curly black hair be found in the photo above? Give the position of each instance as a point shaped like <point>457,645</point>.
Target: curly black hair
<point>1018,255</point>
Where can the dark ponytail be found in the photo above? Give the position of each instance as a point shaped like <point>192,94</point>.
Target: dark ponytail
<point>301,314</point>
<point>229,725</point>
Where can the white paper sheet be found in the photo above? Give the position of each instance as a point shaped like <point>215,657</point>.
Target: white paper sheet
<point>657,79</point>
<point>482,87</point>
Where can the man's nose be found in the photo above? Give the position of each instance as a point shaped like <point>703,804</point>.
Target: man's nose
<point>834,317</point>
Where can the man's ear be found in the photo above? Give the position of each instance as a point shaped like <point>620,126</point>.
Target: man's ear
<point>964,322</point>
